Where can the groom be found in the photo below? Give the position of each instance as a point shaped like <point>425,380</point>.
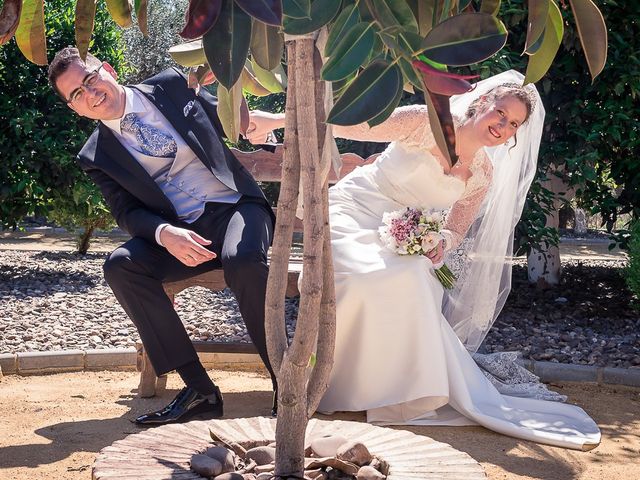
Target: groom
<point>159,159</point>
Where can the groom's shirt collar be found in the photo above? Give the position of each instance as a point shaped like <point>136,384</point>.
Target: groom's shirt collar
<point>133,104</point>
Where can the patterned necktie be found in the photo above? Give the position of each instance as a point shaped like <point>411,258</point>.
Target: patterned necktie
<point>151,140</point>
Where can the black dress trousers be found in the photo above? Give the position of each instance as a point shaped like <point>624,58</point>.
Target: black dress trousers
<point>241,234</point>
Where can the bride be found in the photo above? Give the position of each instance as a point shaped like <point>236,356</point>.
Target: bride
<point>397,355</point>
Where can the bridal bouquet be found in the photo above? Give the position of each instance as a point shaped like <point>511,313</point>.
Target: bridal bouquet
<point>415,232</point>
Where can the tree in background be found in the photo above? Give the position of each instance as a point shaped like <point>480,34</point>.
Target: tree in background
<point>632,274</point>
<point>149,54</point>
<point>40,136</point>
<point>590,148</point>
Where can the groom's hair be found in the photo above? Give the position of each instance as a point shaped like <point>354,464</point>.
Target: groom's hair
<point>61,62</point>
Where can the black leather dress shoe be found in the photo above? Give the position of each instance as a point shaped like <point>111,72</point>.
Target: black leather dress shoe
<point>187,404</point>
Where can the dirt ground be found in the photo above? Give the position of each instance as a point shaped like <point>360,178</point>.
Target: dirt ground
<point>52,427</point>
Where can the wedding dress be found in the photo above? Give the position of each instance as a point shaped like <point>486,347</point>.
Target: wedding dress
<point>396,356</point>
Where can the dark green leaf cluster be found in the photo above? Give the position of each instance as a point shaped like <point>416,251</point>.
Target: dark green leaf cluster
<point>632,273</point>
<point>40,136</point>
<point>592,129</point>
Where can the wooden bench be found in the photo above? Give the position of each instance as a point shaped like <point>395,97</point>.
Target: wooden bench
<point>265,167</point>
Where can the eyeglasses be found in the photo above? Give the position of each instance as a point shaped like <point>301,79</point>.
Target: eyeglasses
<point>89,81</point>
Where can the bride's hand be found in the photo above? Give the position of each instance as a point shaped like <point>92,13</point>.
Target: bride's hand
<point>261,126</point>
<point>437,254</point>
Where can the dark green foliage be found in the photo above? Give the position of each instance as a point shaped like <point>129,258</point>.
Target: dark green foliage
<point>592,130</point>
<point>40,136</point>
<point>632,273</point>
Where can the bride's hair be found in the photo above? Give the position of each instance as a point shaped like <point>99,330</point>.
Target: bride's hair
<point>501,91</point>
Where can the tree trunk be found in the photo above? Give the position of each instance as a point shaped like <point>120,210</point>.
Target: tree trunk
<point>84,239</point>
<point>580,223</point>
<point>543,263</point>
<point>304,166</point>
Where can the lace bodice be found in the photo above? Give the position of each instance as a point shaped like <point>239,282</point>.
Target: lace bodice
<point>408,127</point>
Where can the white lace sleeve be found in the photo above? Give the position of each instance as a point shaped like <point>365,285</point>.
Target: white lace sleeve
<point>464,211</point>
<point>408,125</point>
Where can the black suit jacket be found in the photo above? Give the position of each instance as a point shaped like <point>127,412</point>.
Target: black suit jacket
<point>137,203</point>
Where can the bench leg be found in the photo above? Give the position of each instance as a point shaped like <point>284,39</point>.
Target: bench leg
<point>150,384</point>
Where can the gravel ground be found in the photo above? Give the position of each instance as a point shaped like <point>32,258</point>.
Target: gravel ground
<point>59,301</point>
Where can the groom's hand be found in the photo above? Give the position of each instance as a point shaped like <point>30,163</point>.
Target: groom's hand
<point>437,254</point>
<point>186,245</point>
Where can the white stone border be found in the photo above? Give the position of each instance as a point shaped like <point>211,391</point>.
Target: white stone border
<point>37,363</point>
<point>58,361</point>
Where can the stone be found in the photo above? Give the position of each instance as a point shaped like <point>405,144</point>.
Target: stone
<point>205,465</point>
<point>265,468</point>
<point>369,473</point>
<point>223,455</point>
<point>230,476</point>
<point>264,476</point>
<point>354,452</point>
<point>376,463</point>
<point>261,455</point>
<point>317,474</point>
<point>327,446</point>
